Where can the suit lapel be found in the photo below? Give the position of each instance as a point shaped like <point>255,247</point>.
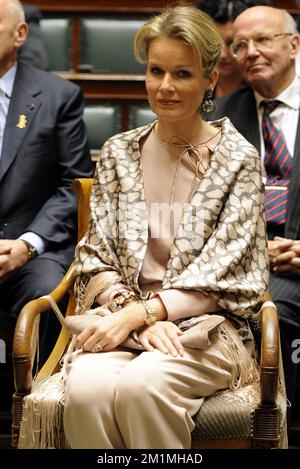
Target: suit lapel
<point>292,228</point>
<point>22,110</point>
<point>248,121</point>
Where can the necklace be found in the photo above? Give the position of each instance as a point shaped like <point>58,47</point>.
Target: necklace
<point>182,141</point>
<point>189,150</point>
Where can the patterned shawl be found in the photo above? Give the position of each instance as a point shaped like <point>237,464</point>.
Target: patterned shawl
<point>220,247</point>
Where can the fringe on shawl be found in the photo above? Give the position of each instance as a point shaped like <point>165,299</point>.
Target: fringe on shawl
<point>245,368</point>
<point>89,288</point>
<point>42,417</point>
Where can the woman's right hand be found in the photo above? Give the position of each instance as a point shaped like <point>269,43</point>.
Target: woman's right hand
<point>164,336</point>
<point>111,330</point>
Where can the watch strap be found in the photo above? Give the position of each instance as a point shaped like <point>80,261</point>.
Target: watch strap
<point>150,318</point>
<point>32,252</point>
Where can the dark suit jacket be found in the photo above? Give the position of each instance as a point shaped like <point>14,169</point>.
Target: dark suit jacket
<point>40,159</point>
<point>240,107</point>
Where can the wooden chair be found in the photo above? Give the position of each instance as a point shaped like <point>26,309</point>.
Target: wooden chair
<point>226,420</point>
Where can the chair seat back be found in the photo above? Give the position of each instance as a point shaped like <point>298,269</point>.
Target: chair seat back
<point>106,44</point>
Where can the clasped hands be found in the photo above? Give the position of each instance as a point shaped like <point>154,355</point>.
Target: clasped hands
<point>284,256</point>
<point>13,255</point>
<point>108,331</point>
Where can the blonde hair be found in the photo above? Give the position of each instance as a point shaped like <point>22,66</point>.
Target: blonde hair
<point>187,24</point>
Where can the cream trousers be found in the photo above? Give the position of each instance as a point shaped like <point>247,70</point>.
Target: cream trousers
<point>124,399</point>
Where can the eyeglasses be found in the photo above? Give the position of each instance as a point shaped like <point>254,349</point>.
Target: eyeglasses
<point>265,41</point>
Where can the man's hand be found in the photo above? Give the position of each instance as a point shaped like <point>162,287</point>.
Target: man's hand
<point>284,256</point>
<point>13,255</point>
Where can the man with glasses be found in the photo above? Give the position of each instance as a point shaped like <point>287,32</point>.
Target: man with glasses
<point>261,42</point>
<point>266,112</point>
<point>224,13</point>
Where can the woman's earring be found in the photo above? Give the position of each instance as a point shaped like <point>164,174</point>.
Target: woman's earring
<point>208,104</point>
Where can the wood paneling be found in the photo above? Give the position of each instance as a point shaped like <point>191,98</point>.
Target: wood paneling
<point>124,89</point>
<point>291,5</point>
<point>106,87</point>
<point>142,6</point>
<point>98,6</point>
<point>109,86</point>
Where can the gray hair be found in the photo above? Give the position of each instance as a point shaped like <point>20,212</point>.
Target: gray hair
<point>17,10</point>
<point>290,22</point>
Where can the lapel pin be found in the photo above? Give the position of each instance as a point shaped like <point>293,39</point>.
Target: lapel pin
<point>22,121</point>
<point>31,106</point>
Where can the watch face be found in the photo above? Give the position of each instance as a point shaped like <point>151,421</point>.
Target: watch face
<point>32,252</point>
<point>150,320</point>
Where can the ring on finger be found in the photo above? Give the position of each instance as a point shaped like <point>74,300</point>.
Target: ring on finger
<point>98,347</point>
<point>153,338</point>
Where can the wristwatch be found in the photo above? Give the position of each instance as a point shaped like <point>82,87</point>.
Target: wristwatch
<point>32,252</point>
<point>150,318</point>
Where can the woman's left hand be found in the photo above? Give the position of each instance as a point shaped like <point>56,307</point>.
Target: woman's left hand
<point>163,335</point>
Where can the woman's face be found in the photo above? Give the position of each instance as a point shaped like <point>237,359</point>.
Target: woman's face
<point>174,81</point>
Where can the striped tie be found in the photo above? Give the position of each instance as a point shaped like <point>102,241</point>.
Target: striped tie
<point>278,164</point>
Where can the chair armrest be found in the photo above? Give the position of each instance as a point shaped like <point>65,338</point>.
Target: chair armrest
<point>269,358</point>
<point>23,343</point>
<point>83,187</point>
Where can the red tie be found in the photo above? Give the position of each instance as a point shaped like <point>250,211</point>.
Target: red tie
<point>278,163</point>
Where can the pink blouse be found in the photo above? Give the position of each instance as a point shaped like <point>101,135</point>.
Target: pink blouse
<point>164,176</point>
<point>159,162</point>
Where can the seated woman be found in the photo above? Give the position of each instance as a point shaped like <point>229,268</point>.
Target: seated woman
<point>174,261</point>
